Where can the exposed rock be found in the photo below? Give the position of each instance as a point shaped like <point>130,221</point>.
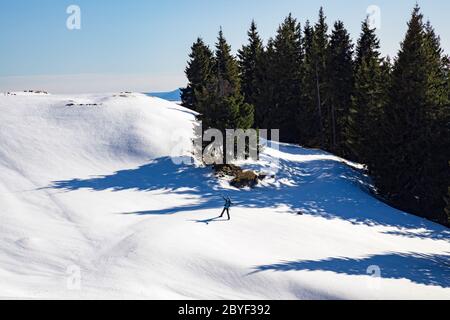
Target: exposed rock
<point>223,170</point>
<point>241,178</point>
<point>245,179</point>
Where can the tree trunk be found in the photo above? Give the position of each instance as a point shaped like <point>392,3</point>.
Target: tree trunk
<point>333,124</point>
<point>319,107</point>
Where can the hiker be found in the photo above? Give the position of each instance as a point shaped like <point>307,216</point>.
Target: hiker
<point>226,207</point>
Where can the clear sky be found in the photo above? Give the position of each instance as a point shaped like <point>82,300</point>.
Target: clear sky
<point>142,45</point>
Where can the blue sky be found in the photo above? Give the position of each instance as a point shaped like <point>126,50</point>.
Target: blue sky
<point>142,45</point>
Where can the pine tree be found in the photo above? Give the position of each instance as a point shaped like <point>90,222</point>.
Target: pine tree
<point>414,173</point>
<point>436,170</point>
<point>447,115</point>
<point>198,72</point>
<point>308,39</point>
<point>265,80</point>
<point>446,61</point>
<point>286,68</point>
<point>339,86</point>
<point>369,98</point>
<point>309,122</point>
<point>226,69</point>
<point>224,106</point>
<point>320,51</point>
<point>249,57</point>
<point>313,82</point>
<point>368,45</point>
<point>447,208</point>
<point>404,120</point>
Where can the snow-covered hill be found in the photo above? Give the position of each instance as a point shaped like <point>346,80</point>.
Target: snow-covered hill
<point>88,187</point>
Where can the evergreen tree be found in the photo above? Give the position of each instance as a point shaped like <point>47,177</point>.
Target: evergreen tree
<point>226,68</point>
<point>286,68</point>
<point>368,45</point>
<point>437,173</point>
<point>227,109</point>
<point>308,39</point>
<point>265,80</point>
<point>320,51</point>
<point>339,86</point>
<point>414,173</point>
<point>314,82</point>
<point>395,118</point>
<point>198,72</point>
<point>447,208</point>
<point>309,122</point>
<point>447,115</point>
<point>369,98</point>
<point>249,57</point>
<point>224,106</point>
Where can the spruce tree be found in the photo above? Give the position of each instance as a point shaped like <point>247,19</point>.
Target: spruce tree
<point>320,51</point>
<point>339,86</point>
<point>287,62</point>
<point>308,39</point>
<point>437,173</point>
<point>404,120</point>
<point>265,80</point>
<point>226,69</point>
<point>249,57</point>
<point>315,69</point>
<point>414,173</point>
<point>368,99</point>
<point>224,106</point>
<point>447,208</point>
<point>446,61</point>
<point>368,45</point>
<point>198,73</point>
<point>309,118</point>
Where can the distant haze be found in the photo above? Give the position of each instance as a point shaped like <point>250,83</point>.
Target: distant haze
<point>92,83</point>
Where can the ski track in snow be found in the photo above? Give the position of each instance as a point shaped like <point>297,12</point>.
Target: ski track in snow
<point>89,181</point>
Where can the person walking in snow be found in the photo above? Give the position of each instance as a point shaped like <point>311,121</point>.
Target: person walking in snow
<point>226,207</point>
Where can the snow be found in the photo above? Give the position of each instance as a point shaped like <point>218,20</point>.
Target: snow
<point>88,183</point>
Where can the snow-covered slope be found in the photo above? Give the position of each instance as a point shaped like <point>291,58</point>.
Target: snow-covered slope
<point>89,190</point>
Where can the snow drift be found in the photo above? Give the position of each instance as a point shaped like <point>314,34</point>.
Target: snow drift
<point>92,205</point>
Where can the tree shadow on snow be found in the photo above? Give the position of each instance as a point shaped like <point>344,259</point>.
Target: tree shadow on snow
<point>160,174</point>
<point>424,269</point>
<point>322,188</point>
<point>319,187</point>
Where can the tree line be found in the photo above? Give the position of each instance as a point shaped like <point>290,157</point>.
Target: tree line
<point>323,91</point>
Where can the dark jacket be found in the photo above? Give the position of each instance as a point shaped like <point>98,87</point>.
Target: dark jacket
<point>228,203</point>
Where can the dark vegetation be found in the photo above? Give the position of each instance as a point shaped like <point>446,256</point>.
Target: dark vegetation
<point>323,91</point>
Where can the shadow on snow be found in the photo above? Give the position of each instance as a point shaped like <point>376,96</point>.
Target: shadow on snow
<point>418,268</point>
<point>324,188</point>
<point>318,187</point>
